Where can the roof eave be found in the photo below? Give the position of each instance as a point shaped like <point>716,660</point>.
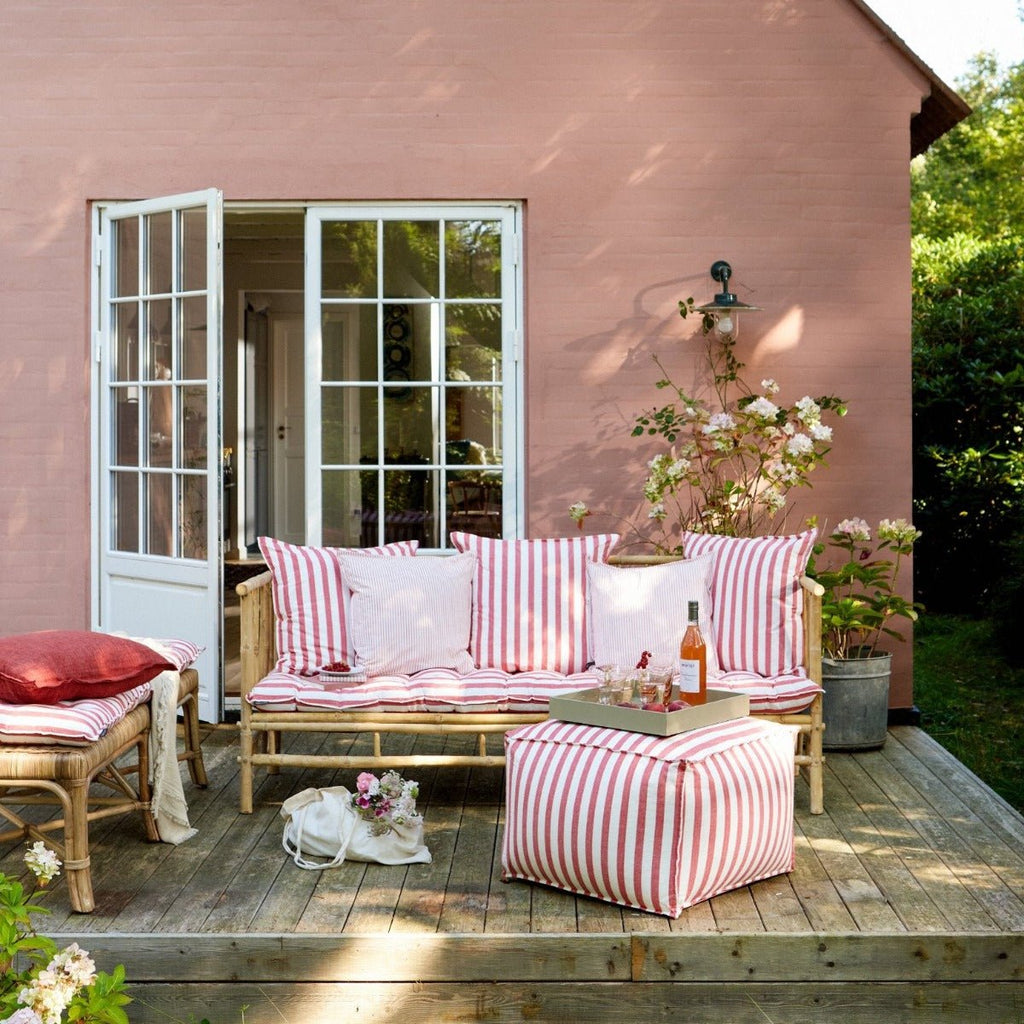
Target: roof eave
<point>942,108</point>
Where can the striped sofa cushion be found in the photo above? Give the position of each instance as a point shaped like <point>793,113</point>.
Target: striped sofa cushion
<point>311,602</point>
<point>652,823</point>
<point>70,722</point>
<point>784,694</point>
<point>433,690</point>
<point>529,602</point>
<point>757,599</point>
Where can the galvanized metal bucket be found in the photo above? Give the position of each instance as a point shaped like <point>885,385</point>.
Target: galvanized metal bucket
<point>856,702</point>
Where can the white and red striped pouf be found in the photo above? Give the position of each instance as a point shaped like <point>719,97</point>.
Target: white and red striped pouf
<point>656,823</point>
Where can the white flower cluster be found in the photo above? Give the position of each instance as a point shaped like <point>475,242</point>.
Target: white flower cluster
<point>401,795</point>
<point>48,994</point>
<point>42,862</point>
<point>386,801</point>
<point>855,528</point>
<point>898,531</point>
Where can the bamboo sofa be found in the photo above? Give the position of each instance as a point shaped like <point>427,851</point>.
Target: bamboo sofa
<point>262,725</point>
<point>90,781</point>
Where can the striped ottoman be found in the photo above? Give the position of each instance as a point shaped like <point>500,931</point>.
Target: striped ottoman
<point>656,823</point>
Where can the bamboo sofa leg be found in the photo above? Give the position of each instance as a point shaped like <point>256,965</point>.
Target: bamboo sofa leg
<point>816,754</point>
<point>245,767</point>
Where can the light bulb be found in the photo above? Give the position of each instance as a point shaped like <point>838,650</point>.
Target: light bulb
<point>726,326</point>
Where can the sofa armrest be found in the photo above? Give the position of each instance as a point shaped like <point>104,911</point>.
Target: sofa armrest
<point>813,592</point>
<point>258,647</point>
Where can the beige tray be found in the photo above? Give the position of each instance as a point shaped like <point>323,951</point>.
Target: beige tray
<point>583,707</point>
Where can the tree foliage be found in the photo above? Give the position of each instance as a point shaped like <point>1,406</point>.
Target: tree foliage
<point>968,258</point>
<point>972,179</point>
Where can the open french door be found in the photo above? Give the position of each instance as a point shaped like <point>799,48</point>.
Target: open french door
<point>157,547</point>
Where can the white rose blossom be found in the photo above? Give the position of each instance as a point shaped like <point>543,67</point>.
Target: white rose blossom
<point>799,444</point>
<point>719,421</point>
<point>762,408</point>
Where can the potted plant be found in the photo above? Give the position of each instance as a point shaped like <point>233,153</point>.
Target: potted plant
<point>859,606</point>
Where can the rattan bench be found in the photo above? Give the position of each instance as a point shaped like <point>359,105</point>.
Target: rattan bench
<point>65,775</point>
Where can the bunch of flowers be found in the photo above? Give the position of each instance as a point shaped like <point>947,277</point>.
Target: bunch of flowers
<point>733,457</point>
<point>386,802</point>
<point>860,597</point>
<point>52,983</point>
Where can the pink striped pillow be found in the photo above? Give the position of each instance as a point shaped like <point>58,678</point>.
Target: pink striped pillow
<point>757,601</point>
<point>530,601</point>
<point>311,602</point>
<point>410,614</point>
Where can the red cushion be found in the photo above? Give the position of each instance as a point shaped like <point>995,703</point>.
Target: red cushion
<point>55,665</point>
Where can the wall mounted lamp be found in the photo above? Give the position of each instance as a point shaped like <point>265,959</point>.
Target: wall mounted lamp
<point>726,307</point>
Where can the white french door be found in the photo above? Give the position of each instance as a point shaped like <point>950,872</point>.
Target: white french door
<point>157,478</point>
<point>412,318</point>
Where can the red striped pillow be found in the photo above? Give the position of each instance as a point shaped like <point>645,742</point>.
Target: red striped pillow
<point>311,602</point>
<point>530,601</point>
<point>757,601</point>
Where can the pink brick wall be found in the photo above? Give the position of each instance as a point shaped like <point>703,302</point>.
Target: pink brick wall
<point>646,140</point>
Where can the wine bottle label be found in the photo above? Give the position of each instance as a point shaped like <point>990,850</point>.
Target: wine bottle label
<point>689,676</point>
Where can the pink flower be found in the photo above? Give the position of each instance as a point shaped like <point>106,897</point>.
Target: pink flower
<point>365,781</point>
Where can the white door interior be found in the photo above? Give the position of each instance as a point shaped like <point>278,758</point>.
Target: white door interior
<point>288,443</point>
<point>157,548</point>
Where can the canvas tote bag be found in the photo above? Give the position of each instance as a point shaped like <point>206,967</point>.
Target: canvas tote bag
<point>323,823</point>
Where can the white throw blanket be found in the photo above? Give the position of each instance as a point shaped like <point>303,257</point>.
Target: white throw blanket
<point>169,807</point>
<point>168,797</point>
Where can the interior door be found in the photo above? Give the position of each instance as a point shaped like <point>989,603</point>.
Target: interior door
<point>288,443</point>
<point>157,548</point>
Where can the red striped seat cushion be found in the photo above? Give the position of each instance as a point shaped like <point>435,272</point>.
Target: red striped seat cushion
<point>757,599</point>
<point>785,694</point>
<point>529,602</point>
<point>311,602</point>
<point>648,822</point>
<point>433,690</point>
<point>69,722</point>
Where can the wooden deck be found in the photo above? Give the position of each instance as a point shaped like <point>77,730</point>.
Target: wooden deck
<point>906,904</point>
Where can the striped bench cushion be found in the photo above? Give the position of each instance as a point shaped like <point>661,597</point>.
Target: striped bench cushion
<point>771,695</point>
<point>434,690</point>
<point>648,822</point>
<point>69,722</point>
<point>491,689</point>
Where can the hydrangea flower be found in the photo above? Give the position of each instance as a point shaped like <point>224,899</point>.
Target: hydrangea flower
<point>42,862</point>
<point>578,511</point>
<point>855,529</point>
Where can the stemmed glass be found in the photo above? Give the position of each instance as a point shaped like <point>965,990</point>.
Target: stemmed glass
<point>608,675</point>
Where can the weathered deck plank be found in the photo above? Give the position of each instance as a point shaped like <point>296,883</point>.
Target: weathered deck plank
<point>913,880</point>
